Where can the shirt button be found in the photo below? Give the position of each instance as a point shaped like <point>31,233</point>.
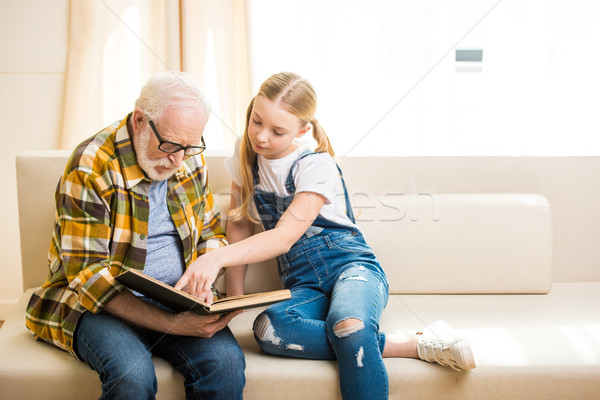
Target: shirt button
<point>145,198</point>
<point>142,236</point>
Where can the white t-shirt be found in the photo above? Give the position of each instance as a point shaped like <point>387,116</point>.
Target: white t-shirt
<point>315,173</point>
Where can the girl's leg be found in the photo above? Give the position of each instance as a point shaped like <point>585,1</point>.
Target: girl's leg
<point>296,328</point>
<point>357,301</point>
<point>401,346</point>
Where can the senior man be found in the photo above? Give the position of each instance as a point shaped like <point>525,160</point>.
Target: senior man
<point>135,195</point>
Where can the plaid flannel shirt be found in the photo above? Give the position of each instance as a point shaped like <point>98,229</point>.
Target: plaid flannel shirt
<point>101,229</point>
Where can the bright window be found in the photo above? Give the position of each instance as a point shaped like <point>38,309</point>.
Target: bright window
<point>388,83</point>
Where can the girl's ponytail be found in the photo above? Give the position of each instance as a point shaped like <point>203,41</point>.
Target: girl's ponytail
<point>323,143</point>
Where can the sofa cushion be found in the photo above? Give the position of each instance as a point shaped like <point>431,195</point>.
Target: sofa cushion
<point>38,173</point>
<point>460,243</point>
<point>525,346</point>
<point>31,369</point>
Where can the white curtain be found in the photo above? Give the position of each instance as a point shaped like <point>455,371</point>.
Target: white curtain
<point>116,45</point>
<point>215,51</point>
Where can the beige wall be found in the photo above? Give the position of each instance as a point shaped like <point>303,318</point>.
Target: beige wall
<point>33,54</point>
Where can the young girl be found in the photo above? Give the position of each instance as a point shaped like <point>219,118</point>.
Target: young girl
<point>339,289</point>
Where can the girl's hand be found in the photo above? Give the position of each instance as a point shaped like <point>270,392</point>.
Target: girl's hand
<point>206,297</point>
<point>199,277</point>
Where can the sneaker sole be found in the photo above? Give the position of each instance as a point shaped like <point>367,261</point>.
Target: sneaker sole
<point>444,331</point>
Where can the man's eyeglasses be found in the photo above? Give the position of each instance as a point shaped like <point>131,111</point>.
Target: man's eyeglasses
<point>170,147</point>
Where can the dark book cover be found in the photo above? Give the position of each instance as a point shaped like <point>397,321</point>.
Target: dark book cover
<point>182,301</point>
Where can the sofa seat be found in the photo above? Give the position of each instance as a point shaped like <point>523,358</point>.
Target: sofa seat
<point>526,347</point>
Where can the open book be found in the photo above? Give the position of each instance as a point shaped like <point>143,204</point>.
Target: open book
<point>182,301</point>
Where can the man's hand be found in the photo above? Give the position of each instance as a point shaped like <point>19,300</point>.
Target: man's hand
<point>191,324</point>
<point>131,309</point>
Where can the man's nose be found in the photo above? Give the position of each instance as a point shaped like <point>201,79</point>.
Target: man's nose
<point>177,158</point>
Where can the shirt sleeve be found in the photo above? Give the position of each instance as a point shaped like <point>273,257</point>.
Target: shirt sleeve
<point>85,225</point>
<point>318,174</point>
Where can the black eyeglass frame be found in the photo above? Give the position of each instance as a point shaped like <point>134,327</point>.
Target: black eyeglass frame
<point>195,149</point>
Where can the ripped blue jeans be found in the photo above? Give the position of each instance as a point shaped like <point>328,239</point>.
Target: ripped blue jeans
<point>334,277</point>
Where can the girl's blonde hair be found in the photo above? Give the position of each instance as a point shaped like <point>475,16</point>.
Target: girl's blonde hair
<point>297,96</point>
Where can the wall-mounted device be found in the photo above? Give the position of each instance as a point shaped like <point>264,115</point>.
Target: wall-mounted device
<point>468,60</point>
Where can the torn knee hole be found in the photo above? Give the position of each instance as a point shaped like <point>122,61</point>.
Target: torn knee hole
<point>347,327</point>
<point>353,278</point>
<point>264,331</point>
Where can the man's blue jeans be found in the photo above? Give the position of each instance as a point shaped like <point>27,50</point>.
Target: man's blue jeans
<point>122,355</point>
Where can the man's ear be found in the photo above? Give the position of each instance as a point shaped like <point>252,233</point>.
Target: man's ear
<point>303,131</point>
<point>137,119</point>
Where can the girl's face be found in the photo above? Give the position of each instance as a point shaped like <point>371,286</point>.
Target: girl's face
<point>272,129</point>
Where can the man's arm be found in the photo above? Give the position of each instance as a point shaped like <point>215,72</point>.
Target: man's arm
<point>83,249</point>
<point>82,246</point>
<point>135,311</point>
<point>83,211</point>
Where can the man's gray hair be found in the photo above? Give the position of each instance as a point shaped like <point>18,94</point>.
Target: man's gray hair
<point>170,88</point>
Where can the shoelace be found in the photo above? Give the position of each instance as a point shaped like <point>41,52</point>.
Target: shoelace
<point>433,350</point>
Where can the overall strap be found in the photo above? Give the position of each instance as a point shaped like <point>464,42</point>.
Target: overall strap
<point>349,211</point>
<point>289,182</point>
<point>291,187</point>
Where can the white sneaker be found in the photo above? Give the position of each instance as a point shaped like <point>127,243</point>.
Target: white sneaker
<point>440,344</point>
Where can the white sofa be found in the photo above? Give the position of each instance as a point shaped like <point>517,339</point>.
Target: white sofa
<point>482,262</point>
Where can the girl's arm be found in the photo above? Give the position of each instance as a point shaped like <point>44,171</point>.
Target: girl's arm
<point>236,232</point>
<point>260,247</point>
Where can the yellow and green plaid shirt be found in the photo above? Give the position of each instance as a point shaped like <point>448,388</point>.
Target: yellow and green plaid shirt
<point>101,229</point>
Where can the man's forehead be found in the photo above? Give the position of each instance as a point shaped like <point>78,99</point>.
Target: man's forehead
<point>178,112</point>
<point>183,125</point>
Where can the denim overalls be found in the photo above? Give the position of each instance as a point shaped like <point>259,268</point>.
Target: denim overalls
<point>333,276</point>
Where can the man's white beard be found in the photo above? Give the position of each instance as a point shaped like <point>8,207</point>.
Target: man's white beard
<point>140,143</point>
